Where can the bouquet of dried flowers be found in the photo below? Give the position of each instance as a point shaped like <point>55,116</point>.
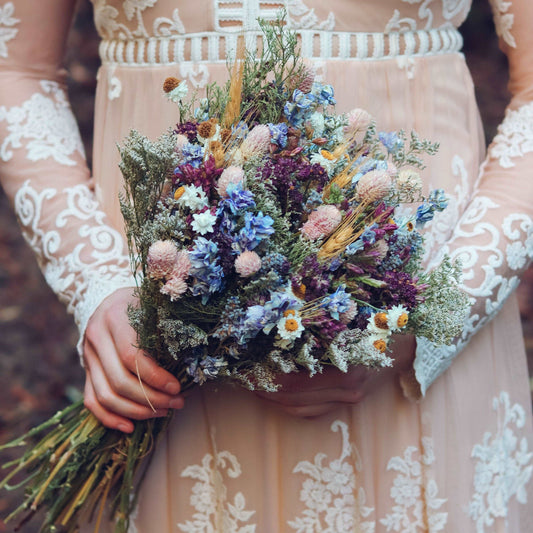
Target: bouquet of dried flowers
<point>265,236</point>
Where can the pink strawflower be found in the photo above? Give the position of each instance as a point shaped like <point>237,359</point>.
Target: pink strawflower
<point>182,265</point>
<point>174,288</point>
<point>374,185</point>
<point>247,263</point>
<point>257,143</point>
<point>321,222</point>
<point>358,120</point>
<point>229,175</point>
<point>162,257</point>
<point>349,315</point>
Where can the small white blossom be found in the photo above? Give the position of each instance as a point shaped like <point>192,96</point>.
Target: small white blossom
<point>290,327</point>
<point>203,222</point>
<point>178,93</point>
<point>193,197</point>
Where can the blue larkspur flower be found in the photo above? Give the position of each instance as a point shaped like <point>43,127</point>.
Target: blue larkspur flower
<point>437,201</point>
<point>278,132</point>
<point>193,154</point>
<point>338,302</point>
<point>354,247</point>
<point>211,366</point>
<point>323,94</point>
<point>392,142</point>
<point>256,228</point>
<point>237,199</point>
<point>206,271</point>
<point>368,236</point>
<point>303,100</point>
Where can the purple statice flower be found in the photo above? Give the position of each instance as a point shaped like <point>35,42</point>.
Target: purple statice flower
<point>189,129</point>
<point>323,94</point>
<point>256,228</point>
<point>400,289</point>
<point>337,302</point>
<point>278,132</point>
<point>205,268</point>
<point>392,142</point>
<point>237,199</point>
<point>205,175</point>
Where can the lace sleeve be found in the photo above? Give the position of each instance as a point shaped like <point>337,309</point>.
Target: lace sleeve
<point>494,236</point>
<point>42,164</point>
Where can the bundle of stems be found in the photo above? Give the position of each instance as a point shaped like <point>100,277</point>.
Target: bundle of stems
<point>78,468</point>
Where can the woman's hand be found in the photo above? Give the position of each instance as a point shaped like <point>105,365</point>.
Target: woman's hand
<point>303,396</point>
<point>115,370</point>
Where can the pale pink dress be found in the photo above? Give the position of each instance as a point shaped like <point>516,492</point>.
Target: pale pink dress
<point>460,459</point>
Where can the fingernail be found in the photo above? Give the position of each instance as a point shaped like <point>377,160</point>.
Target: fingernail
<point>176,403</point>
<point>124,428</point>
<point>172,388</point>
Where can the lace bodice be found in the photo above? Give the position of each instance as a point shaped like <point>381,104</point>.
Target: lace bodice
<point>130,19</point>
<point>83,256</point>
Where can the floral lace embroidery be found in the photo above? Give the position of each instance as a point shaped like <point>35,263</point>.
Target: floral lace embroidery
<point>114,88</point>
<point>302,17</point>
<point>196,74</point>
<point>417,505</point>
<point>214,511</point>
<point>46,122</point>
<point>89,267</point>
<point>7,32</point>
<point>329,492</point>
<point>515,136</point>
<point>503,21</point>
<point>108,27</point>
<point>450,9</point>
<point>504,466</point>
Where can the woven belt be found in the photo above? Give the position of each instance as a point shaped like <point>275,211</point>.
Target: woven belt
<point>214,47</point>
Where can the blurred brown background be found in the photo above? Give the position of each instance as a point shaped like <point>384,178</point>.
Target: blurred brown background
<point>39,369</point>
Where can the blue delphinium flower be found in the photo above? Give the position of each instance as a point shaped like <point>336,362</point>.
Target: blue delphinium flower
<point>278,134</point>
<point>323,94</point>
<point>437,201</point>
<point>206,270</point>
<point>303,100</point>
<point>368,236</point>
<point>237,199</point>
<point>256,228</point>
<point>392,142</point>
<point>338,302</point>
<point>193,154</point>
<point>201,113</point>
<point>239,130</point>
<point>354,247</point>
<point>211,366</point>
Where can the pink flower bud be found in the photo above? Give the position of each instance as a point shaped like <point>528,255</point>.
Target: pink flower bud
<point>358,120</point>
<point>373,186</point>
<point>322,222</point>
<point>229,175</point>
<point>257,143</point>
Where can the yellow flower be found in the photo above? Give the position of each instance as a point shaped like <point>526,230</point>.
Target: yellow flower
<point>178,193</point>
<point>327,155</point>
<point>380,345</point>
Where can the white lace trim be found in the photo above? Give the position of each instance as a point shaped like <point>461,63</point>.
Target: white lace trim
<point>329,492</point>
<point>84,273</point>
<point>417,506</point>
<point>503,468</point>
<point>503,21</point>
<point>515,136</point>
<point>214,47</point>
<point>7,32</point>
<point>209,497</point>
<point>46,124</point>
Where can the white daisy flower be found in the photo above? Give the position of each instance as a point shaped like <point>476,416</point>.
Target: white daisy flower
<point>193,197</point>
<point>290,327</point>
<point>398,317</point>
<point>325,160</point>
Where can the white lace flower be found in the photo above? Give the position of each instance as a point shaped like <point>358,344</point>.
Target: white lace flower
<point>516,255</point>
<point>193,197</point>
<point>203,222</point>
<point>7,32</point>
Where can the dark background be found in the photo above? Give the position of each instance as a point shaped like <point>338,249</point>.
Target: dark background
<point>39,369</point>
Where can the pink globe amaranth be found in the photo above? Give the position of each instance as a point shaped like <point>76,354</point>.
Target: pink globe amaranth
<point>230,175</point>
<point>322,222</point>
<point>247,264</point>
<point>162,258</point>
<point>374,185</point>
<point>174,288</point>
<point>358,120</point>
<point>182,266</point>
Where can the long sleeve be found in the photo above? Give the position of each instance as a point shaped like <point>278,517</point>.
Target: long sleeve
<point>42,164</point>
<point>494,236</point>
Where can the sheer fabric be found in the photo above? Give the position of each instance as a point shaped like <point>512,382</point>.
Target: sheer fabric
<point>458,460</point>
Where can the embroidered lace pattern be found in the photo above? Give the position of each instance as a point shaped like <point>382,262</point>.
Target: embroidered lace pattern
<point>417,507</point>
<point>503,21</point>
<point>329,492</point>
<point>7,30</point>
<point>46,125</point>
<point>515,136</point>
<point>88,266</point>
<point>209,497</point>
<point>504,466</point>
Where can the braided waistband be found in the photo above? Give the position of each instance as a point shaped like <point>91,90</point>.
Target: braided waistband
<point>214,47</point>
